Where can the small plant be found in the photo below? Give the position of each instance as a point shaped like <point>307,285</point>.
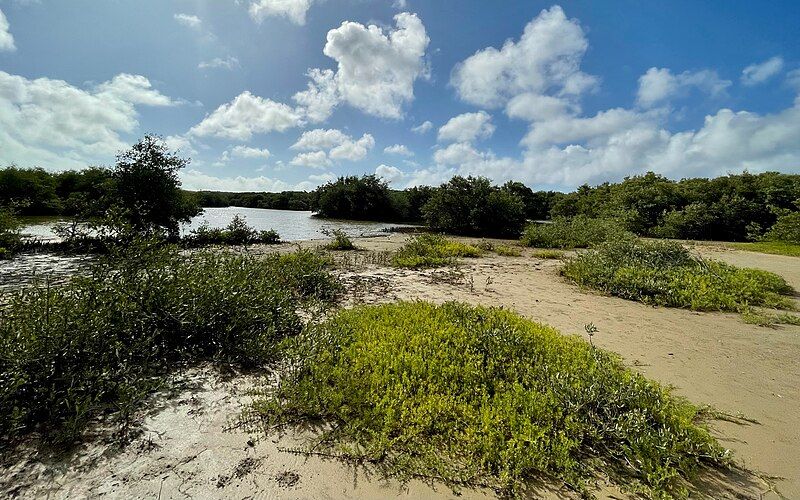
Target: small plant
<point>507,251</point>
<point>547,254</point>
<point>470,395</point>
<point>340,240</point>
<point>237,232</point>
<point>577,232</point>
<point>664,273</point>
<point>432,250</point>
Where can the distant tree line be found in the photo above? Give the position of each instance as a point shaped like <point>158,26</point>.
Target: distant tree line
<point>733,208</point>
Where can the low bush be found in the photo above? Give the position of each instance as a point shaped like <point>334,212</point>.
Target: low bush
<point>107,338</point>
<point>470,395</point>
<point>237,232</point>
<point>785,229</point>
<point>432,250</point>
<point>339,240</point>
<point>507,251</point>
<point>10,239</point>
<point>575,232</point>
<point>664,273</point>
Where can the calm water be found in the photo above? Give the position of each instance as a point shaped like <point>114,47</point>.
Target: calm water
<point>291,225</point>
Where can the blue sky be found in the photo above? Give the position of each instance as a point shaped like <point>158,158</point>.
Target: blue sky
<point>288,94</point>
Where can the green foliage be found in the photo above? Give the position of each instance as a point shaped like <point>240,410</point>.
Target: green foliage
<point>286,200</point>
<point>507,251</point>
<point>473,395</point>
<point>358,198</point>
<point>786,229</point>
<point>10,239</point>
<point>664,273</point>
<point>103,341</point>
<point>432,250</point>
<point>237,232</point>
<point>472,206</point>
<point>147,188</point>
<point>576,232</point>
<point>339,241</point>
<point>772,247</point>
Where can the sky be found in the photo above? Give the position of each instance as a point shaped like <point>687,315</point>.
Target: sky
<point>273,95</point>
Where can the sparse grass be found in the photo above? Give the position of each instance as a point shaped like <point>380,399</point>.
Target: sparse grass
<point>761,317</point>
<point>470,395</point>
<point>577,232</point>
<point>432,250</point>
<point>772,247</point>
<point>507,251</point>
<point>664,273</point>
<point>106,339</point>
<point>547,254</point>
<point>339,241</point>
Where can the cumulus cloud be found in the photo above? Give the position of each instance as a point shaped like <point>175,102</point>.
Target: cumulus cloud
<point>57,125</point>
<point>544,60</point>
<point>6,39</point>
<point>294,10</point>
<point>189,20</point>
<point>660,84</point>
<point>423,127</point>
<point>181,144</point>
<point>761,72</point>
<point>248,152</point>
<point>390,174</point>
<point>228,62</point>
<point>467,127</point>
<point>246,115</point>
<point>195,180</point>
<point>313,159</point>
<point>339,145</point>
<point>398,149</point>
<point>375,72</point>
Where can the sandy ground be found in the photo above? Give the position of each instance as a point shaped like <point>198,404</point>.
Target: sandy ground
<point>191,447</point>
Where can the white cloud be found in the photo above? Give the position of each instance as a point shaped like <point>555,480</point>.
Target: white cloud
<point>761,72</point>
<point>536,107</point>
<point>313,159</point>
<point>247,115</point>
<point>545,59</point>
<point>659,84</point>
<point>189,20</point>
<point>467,127</point>
<point>390,174</point>
<point>57,125</point>
<point>318,139</point>
<point>375,71</point>
<point>6,39</point>
<point>423,127</point>
<point>353,150</point>
<point>399,4</point>
<point>340,146</point>
<point>228,62</point>
<point>398,149</point>
<point>321,96</point>
<point>294,10</point>
<point>195,180</point>
<point>181,144</point>
<point>248,152</point>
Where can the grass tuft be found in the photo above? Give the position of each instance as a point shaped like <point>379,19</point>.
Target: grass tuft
<point>339,241</point>
<point>432,250</point>
<point>472,395</point>
<point>664,273</point>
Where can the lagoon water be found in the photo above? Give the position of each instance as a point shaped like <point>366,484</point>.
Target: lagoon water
<point>291,225</point>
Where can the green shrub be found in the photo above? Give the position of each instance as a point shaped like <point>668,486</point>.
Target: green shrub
<point>10,238</point>
<point>103,341</point>
<point>432,250</point>
<point>472,206</point>
<point>340,240</point>
<point>576,232</point>
<point>470,395</point>
<point>507,251</point>
<point>237,232</point>
<point>664,273</point>
<point>786,229</point>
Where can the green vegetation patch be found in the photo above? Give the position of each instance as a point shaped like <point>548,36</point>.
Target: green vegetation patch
<point>339,240</point>
<point>576,232</point>
<point>432,250</point>
<point>664,273</point>
<point>472,395</point>
<point>237,232</point>
<point>105,340</point>
<point>771,247</point>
